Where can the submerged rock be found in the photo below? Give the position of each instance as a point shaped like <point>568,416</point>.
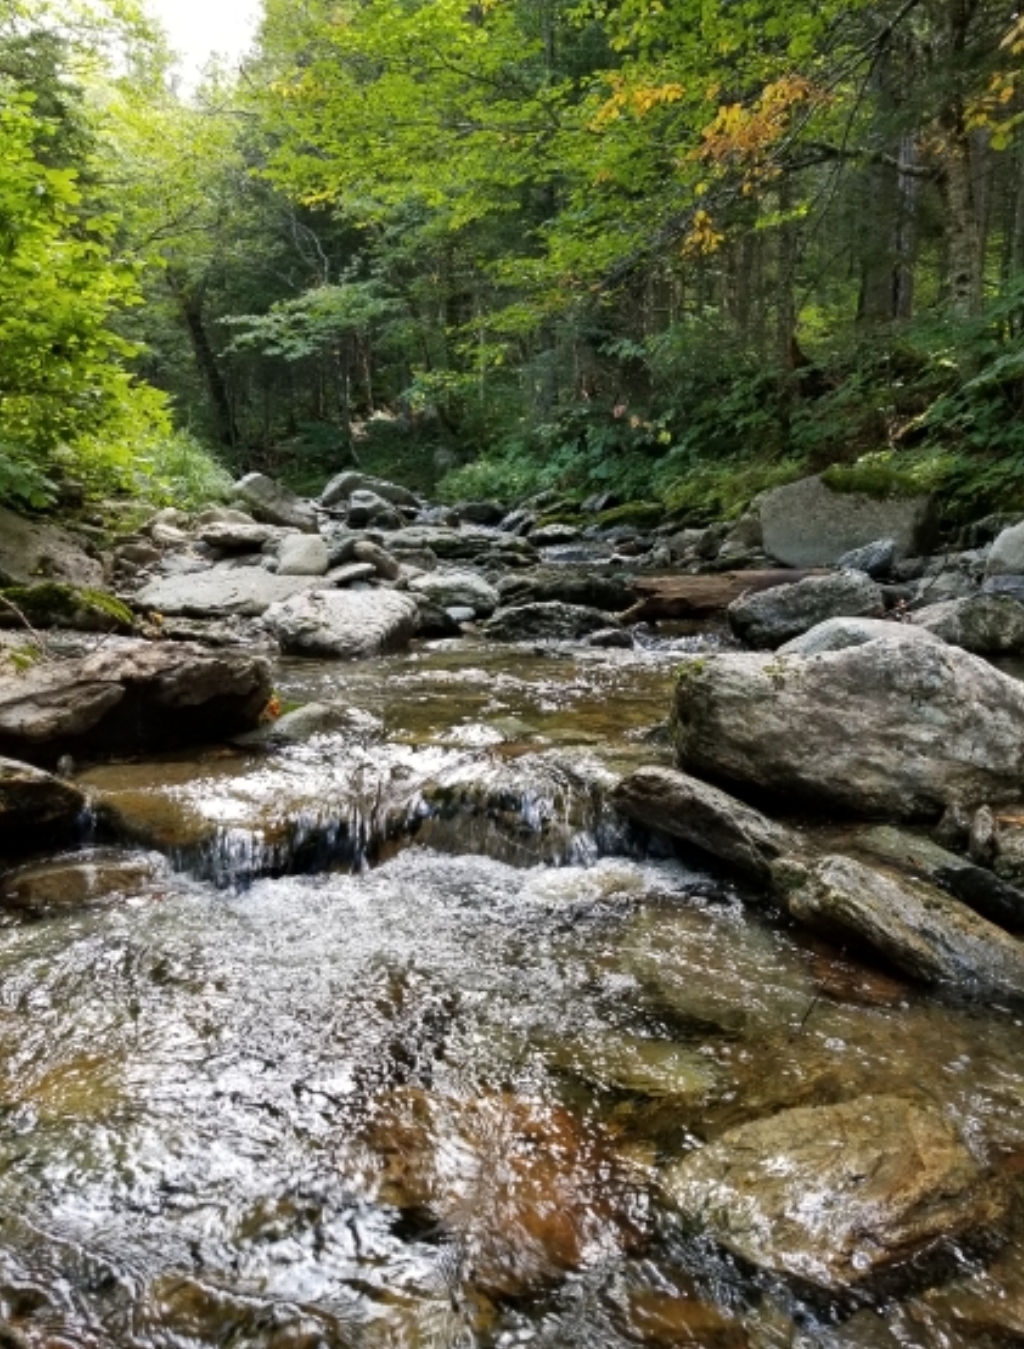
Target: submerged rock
<point>836,1194</point>
<point>918,928</point>
<point>77,879</point>
<point>768,619</point>
<point>701,815</point>
<point>346,624</point>
<point>893,727</point>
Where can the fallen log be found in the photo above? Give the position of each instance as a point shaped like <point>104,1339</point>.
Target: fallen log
<point>668,597</point>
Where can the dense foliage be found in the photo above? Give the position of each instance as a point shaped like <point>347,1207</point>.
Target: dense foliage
<point>680,251</point>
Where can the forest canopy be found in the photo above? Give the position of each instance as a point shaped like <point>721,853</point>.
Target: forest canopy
<point>680,251</point>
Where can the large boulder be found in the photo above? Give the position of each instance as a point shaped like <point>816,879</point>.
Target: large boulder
<point>547,621</point>
<point>705,817</point>
<point>274,504</point>
<point>891,728</point>
<point>988,625</point>
<point>449,589</point>
<point>342,485</point>
<point>31,550</point>
<point>768,619</point>
<point>302,555</point>
<point>836,1194</point>
<point>34,804</point>
<point>130,696</point>
<point>347,624</point>
<point>222,591</point>
<point>806,524</point>
<point>924,932</point>
<point>1006,557</point>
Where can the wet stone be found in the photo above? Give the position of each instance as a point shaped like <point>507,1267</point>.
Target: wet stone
<point>102,875</point>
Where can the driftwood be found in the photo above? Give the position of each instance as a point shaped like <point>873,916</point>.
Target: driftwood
<point>668,597</point>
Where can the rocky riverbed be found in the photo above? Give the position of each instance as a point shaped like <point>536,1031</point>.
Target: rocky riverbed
<point>414,934</point>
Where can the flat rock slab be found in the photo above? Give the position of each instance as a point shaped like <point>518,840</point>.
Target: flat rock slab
<point>836,1194</point>
<point>129,696</point>
<point>691,810</point>
<point>222,591</point>
<point>893,728</point>
<point>347,624</point>
<point>31,551</point>
<point>806,524</point>
<point>918,928</point>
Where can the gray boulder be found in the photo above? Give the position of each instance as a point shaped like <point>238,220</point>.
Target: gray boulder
<point>34,803</point>
<point>242,534</point>
<point>128,697</point>
<point>705,817</point>
<point>302,555</point>
<point>456,589</point>
<point>570,585</point>
<point>32,551</point>
<point>988,625</point>
<point>379,558</point>
<point>551,536</point>
<point>347,624</point>
<point>1010,586</point>
<point>368,508</point>
<point>835,1195</point>
<point>875,559</point>
<point>1006,557</point>
<point>274,504</point>
<point>548,620</point>
<point>771,617</point>
<point>806,524</point>
<point>893,728</point>
<point>221,591</point>
<point>924,932</point>
<point>836,634</point>
<point>341,487</point>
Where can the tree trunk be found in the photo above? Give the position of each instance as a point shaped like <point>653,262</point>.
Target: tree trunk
<point>191,310</point>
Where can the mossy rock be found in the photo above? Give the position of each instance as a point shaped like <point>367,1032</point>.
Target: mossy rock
<point>53,604</point>
<point>639,514</point>
<point>877,480</point>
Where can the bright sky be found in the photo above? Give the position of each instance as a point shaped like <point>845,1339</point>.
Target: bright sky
<point>197,28</point>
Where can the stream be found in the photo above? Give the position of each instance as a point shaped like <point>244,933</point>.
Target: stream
<point>388,1042</point>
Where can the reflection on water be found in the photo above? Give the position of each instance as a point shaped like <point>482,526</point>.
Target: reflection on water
<point>426,1103</point>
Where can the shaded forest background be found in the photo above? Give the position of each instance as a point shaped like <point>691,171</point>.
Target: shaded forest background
<point>680,250</point>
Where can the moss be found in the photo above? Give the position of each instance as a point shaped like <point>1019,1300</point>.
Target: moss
<point>871,477</point>
<point>640,514</point>
<point>690,669</point>
<point>560,517</point>
<point>54,604</point>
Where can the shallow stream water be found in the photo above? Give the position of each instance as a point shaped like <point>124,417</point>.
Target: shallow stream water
<point>404,1074</point>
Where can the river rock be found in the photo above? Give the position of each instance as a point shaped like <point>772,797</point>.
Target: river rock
<point>836,1194</point>
<point>836,634</point>
<point>367,508</point>
<point>385,566</point>
<point>874,559</point>
<point>130,696</point>
<point>349,574</point>
<point>988,625</point>
<point>242,534</point>
<point>553,535</point>
<point>918,928</point>
<point>221,591</point>
<point>590,588</point>
<point>547,621</point>
<point>703,816</point>
<point>806,524</point>
<point>768,619</point>
<point>303,723</point>
<point>454,589</point>
<point>976,886</point>
<point>480,512</point>
<point>34,803</point>
<point>892,728</point>
<point>275,504</point>
<point>81,878</point>
<point>347,624</point>
<point>30,550</point>
<point>1006,557</point>
<point>342,486</point>
<point>302,555</point>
